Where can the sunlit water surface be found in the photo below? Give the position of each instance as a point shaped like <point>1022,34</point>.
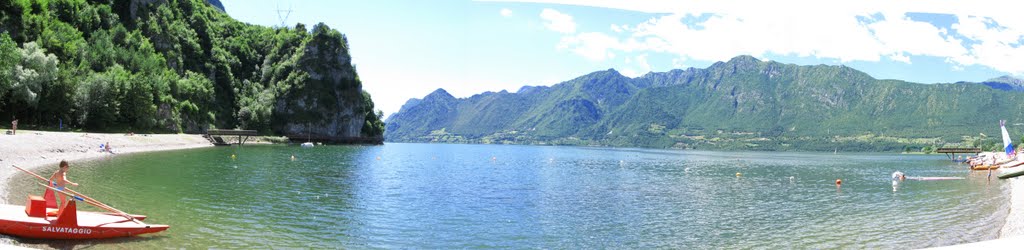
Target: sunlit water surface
<point>469,196</point>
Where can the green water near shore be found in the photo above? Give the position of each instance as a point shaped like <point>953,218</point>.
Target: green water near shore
<point>468,196</point>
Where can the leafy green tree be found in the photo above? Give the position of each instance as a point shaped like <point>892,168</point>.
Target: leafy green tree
<point>374,122</point>
<point>37,68</point>
<point>59,104</point>
<point>95,98</point>
<point>194,95</point>
<point>9,57</point>
<point>138,109</point>
<point>63,40</point>
<point>12,15</point>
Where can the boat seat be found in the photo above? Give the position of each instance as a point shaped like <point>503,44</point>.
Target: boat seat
<point>35,207</point>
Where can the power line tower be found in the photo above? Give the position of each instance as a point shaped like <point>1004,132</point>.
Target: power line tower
<point>282,15</point>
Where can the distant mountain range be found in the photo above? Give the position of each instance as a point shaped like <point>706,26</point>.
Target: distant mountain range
<point>743,104</point>
<point>1005,83</point>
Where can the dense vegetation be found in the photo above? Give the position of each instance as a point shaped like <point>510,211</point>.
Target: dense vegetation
<point>171,66</point>
<point>741,104</point>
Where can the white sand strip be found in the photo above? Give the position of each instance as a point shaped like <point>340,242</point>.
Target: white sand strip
<point>1015,219</point>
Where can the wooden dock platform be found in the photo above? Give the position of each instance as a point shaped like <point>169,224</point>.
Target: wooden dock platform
<point>951,152</point>
<point>215,136</point>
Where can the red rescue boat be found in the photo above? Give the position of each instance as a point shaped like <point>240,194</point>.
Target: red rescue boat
<point>34,221</point>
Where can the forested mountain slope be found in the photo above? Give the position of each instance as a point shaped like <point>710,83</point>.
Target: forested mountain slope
<point>744,103</point>
<point>175,66</point>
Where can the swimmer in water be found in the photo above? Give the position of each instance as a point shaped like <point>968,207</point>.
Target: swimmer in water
<point>899,176</point>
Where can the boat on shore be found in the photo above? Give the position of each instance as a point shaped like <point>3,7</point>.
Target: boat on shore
<point>996,160</point>
<point>39,218</point>
<point>985,167</point>
<point>1010,173</point>
<point>26,222</point>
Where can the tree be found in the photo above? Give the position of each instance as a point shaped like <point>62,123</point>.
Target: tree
<point>9,57</point>
<point>35,70</point>
<point>193,100</point>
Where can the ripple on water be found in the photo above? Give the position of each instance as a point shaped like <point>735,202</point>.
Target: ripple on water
<point>471,196</point>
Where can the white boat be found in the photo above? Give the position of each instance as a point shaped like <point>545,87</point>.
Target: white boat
<point>307,144</point>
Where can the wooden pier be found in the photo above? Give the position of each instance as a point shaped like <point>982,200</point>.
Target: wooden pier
<point>951,152</point>
<point>216,136</point>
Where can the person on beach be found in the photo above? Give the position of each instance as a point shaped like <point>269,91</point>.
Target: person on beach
<point>59,180</point>
<point>14,126</point>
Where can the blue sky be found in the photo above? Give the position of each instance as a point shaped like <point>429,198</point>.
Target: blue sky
<point>407,49</point>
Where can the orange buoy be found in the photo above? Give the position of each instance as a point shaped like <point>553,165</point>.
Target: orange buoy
<point>839,182</point>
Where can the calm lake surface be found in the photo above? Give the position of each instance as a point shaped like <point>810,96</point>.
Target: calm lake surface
<point>471,196</point>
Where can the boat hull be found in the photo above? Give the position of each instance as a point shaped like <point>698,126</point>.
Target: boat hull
<point>985,167</point>
<point>1011,173</point>
<point>91,225</point>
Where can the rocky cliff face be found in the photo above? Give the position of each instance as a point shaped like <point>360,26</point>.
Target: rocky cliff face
<point>327,101</point>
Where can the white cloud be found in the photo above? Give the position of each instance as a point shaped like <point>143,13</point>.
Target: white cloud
<point>900,58</point>
<point>595,46</point>
<point>558,21</point>
<point>679,63</point>
<point>642,66</point>
<point>998,44</point>
<point>994,33</point>
<point>505,12</point>
<point>641,61</point>
<point>901,37</point>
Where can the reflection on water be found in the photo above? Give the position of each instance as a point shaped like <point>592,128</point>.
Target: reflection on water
<point>469,196</point>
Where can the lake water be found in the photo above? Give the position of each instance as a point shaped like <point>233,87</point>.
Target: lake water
<point>471,196</point>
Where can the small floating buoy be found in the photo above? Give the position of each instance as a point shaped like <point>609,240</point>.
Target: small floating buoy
<point>378,158</point>
<point>738,174</point>
<point>233,156</point>
<point>839,182</point>
<point>293,157</point>
<point>493,158</point>
<point>791,178</point>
